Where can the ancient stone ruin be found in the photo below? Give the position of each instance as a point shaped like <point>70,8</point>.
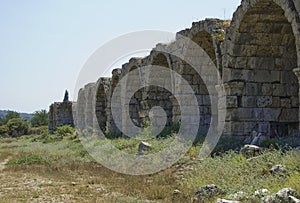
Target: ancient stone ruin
<point>60,113</point>
<point>257,55</point>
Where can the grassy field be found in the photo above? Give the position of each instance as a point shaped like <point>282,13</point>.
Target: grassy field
<point>53,169</point>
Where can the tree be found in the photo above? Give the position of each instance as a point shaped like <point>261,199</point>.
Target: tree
<point>10,115</point>
<point>17,127</point>
<point>2,121</point>
<point>66,97</point>
<point>40,118</point>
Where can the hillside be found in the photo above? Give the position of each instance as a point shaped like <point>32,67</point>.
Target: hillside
<point>25,116</point>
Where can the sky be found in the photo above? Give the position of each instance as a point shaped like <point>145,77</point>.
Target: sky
<point>45,44</point>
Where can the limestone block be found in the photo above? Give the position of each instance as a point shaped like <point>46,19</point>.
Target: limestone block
<point>286,103</point>
<point>279,90</point>
<point>276,38</point>
<point>231,102</point>
<point>264,101</point>
<point>237,128</point>
<point>252,89</point>
<point>234,88</point>
<point>276,102</point>
<point>271,114</point>
<point>265,63</point>
<point>241,62</point>
<point>238,74</point>
<point>249,127</point>
<point>295,102</point>
<point>249,101</point>
<point>245,114</point>
<point>288,77</point>
<point>279,64</point>
<point>289,115</point>
<point>264,127</point>
<point>292,89</point>
<point>267,89</point>
<point>266,76</point>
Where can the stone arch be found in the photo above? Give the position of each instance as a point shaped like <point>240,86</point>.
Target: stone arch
<point>133,80</point>
<point>209,35</point>
<point>89,91</point>
<point>102,103</point>
<point>112,127</point>
<point>261,51</point>
<point>80,113</point>
<point>158,96</point>
<point>206,42</point>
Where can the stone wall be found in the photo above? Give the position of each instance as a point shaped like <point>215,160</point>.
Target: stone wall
<point>60,113</point>
<point>259,55</point>
<point>256,54</point>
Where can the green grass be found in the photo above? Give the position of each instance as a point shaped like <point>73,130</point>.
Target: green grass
<point>65,160</point>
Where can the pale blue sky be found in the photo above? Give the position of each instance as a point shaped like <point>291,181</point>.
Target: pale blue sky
<point>44,43</point>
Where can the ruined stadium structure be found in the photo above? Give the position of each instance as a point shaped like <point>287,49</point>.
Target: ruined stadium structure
<point>257,55</point>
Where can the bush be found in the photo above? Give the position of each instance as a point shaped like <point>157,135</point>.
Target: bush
<point>38,130</point>
<point>17,127</point>
<point>10,115</point>
<point>3,130</point>
<point>40,118</point>
<point>64,131</point>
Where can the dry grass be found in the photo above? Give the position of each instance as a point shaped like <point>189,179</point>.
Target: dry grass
<point>61,172</point>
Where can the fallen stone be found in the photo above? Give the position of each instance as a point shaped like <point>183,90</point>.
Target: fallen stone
<point>287,195</point>
<point>176,192</point>
<point>277,169</point>
<point>261,193</point>
<point>238,196</point>
<point>297,148</point>
<point>253,149</point>
<point>285,192</point>
<point>208,191</point>
<point>227,201</point>
<point>293,199</point>
<point>143,146</point>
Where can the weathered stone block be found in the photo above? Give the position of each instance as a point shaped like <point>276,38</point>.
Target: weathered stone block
<point>249,101</point>
<point>295,102</point>
<point>264,101</point>
<point>266,76</point>
<point>289,115</point>
<point>276,103</point>
<point>237,128</point>
<point>264,127</point>
<point>231,102</point>
<point>267,89</point>
<point>286,103</point>
<point>279,90</point>
<point>271,114</point>
<point>249,127</point>
<point>252,89</point>
<point>234,88</point>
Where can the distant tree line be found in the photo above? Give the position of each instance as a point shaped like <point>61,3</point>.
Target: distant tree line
<point>13,125</point>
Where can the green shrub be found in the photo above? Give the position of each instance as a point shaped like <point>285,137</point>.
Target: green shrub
<point>38,130</point>
<point>40,118</point>
<point>3,130</point>
<point>11,115</point>
<point>64,131</point>
<point>17,127</point>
